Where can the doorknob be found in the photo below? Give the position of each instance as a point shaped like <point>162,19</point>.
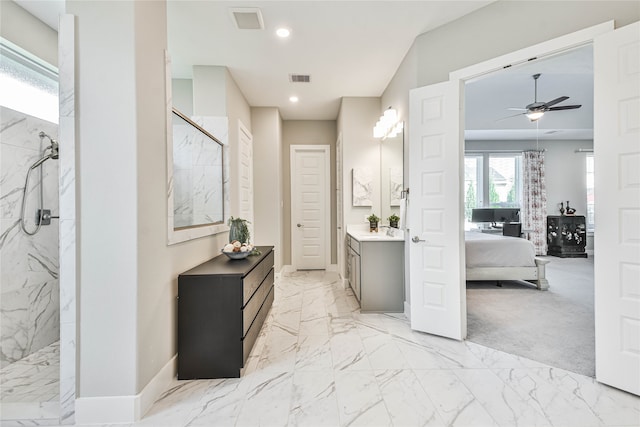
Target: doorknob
<point>416,239</point>
<point>300,225</point>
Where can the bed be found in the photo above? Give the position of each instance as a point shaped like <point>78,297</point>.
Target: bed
<point>496,257</point>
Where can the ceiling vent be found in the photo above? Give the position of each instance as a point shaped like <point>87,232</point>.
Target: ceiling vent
<point>247,18</point>
<point>299,78</point>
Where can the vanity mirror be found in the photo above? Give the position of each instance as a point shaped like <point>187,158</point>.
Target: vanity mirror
<point>196,186</point>
<point>391,175</point>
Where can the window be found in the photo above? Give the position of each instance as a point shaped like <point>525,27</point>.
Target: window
<point>492,180</point>
<point>27,84</point>
<point>590,198</point>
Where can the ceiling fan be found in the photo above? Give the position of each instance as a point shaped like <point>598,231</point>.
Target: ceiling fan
<point>536,109</point>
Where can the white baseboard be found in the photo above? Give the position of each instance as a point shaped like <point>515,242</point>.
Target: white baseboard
<point>288,269</point>
<point>125,409</point>
<point>407,310</point>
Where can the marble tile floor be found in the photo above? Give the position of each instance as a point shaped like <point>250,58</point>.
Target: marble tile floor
<point>320,362</point>
<point>30,387</point>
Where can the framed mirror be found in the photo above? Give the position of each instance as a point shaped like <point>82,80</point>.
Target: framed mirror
<point>391,175</point>
<point>197,197</point>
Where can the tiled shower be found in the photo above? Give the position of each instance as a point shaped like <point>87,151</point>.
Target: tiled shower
<point>29,269</point>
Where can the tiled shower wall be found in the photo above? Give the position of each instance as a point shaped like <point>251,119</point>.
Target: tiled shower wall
<point>29,265</point>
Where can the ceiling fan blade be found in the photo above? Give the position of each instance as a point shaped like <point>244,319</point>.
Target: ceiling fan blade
<point>517,109</point>
<point>564,107</point>
<point>508,117</point>
<point>555,101</point>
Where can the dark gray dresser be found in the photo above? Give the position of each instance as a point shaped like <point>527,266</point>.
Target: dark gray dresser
<point>222,305</point>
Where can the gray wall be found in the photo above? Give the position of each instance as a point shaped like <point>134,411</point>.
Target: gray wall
<point>306,132</point>
<point>23,29</point>
<point>267,184</point>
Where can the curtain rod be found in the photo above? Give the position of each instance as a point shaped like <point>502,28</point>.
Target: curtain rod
<point>503,151</point>
<point>584,150</point>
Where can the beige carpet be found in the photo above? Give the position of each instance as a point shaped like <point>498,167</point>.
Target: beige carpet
<point>555,327</point>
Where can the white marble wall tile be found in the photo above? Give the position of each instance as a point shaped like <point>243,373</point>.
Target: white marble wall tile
<point>359,399</point>
<point>29,297</point>
<point>455,403</point>
<point>406,400</point>
<point>67,202</point>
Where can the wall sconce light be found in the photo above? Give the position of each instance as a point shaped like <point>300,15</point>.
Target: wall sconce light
<point>388,126</point>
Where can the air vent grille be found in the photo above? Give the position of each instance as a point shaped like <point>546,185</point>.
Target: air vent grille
<point>247,18</point>
<point>299,78</point>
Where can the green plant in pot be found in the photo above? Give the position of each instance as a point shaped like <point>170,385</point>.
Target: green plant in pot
<point>373,222</point>
<point>393,220</point>
<point>239,231</point>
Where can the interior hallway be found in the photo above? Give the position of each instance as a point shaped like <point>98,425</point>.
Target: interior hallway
<point>319,361</point>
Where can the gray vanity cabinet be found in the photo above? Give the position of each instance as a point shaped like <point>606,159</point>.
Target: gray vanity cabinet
<point>376,274</point>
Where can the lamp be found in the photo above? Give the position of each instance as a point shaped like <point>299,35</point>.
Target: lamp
<point>388,126</point>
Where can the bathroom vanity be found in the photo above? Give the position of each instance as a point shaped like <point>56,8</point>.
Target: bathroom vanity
<point>375,269</point>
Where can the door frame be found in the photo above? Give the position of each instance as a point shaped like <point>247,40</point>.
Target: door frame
<point>326,150</point>
<point>537,51</point>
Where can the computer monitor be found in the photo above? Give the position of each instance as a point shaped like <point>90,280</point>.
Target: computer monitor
<point>506,215</point>
<point>482,215</point>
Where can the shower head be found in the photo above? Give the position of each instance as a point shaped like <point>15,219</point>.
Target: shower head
<point>42,160</point>
<point>53,147</point>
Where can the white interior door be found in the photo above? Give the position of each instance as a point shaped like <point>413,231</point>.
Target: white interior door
<point>310,207</point>
<point>617,191</point>
<point>245,167</point>
<point>438,305</point>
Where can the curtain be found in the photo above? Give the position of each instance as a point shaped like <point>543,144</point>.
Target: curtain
<point>534,206</point>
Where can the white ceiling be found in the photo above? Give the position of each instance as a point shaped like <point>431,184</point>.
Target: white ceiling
<point>353,48</point>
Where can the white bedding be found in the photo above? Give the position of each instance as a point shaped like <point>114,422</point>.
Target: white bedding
<point>492,250</point>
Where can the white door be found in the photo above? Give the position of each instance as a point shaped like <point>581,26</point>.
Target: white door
<point>310,207</point>
<point>436,250</point>
<point>245,167</point>
<point>617,191</point>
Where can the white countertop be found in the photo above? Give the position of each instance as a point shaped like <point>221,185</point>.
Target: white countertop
<point>361,233</point>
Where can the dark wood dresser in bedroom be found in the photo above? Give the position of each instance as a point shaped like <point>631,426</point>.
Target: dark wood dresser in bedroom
<point>566,236</point>
<point>222,305</point>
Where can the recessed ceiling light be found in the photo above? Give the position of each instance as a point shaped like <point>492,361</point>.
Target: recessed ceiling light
<point>283,32</point>
<point>293,99</point>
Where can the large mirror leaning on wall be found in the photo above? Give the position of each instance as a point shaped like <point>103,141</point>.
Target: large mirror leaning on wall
<point>391,175</point>
<point>196,180</point>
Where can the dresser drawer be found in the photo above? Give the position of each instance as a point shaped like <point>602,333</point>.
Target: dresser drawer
<point>253,280</point>
<point>250,310</point>
<point>254,330</point>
